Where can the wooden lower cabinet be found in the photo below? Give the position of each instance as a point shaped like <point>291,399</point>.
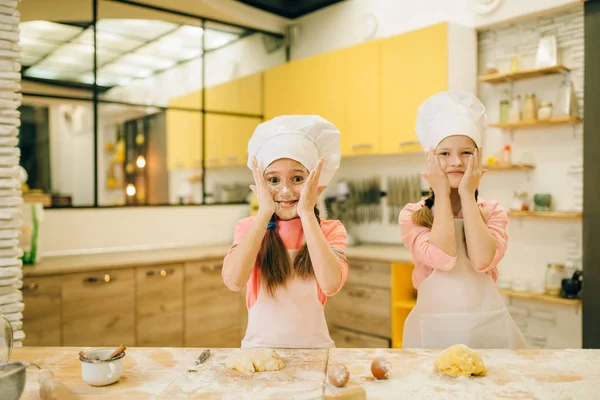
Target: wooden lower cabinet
<point>98,308</point>
<point>361,308</point>
<point>159,306</point>
<point>346,338</point>
<point>359,315</point>
<point>212,312</point>
<point>41,316</point>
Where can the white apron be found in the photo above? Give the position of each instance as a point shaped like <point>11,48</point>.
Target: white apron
<point>461,306</point>
<point>292,318</point>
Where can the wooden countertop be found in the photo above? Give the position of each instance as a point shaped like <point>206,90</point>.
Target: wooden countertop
<point>161,373</point>
<point>380,252</point>
<point>127,259</point>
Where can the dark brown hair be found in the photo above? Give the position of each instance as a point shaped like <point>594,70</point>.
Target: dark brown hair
<point>274,262</point>
<point>424,217</point>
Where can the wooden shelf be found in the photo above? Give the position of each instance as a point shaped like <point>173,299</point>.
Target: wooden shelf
<point>546,214</point>
<point>541,297</point>
<point>502,77</point>
<point>493,167</point>
<point>405,304</point>
<point>536,123</point>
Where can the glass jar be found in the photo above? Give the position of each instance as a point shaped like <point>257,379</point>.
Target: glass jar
<point>6,339</point>
<point>514,113</point>
<point>529,108</point>
<point>554,276</point>
<point>504,110</point>
<point>545,111</point>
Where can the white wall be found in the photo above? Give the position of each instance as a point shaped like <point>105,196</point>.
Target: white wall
<point>136,228</point>
<point>510,10</point>
<point>72,151</point>
<point>534,243</point>
<point>348,22</point>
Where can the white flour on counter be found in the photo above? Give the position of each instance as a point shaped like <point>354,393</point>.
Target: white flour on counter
<point>528,374</point>
<point>301,378</point>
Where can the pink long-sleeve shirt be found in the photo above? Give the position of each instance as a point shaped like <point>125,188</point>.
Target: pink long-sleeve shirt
<point>292,235</point>
<point>428,257</point>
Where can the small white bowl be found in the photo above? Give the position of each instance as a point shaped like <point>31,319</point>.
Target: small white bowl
<point>101,372</point>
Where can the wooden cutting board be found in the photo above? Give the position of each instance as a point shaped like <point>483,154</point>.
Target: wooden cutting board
<point>512,374</point>
<point>162,373</point>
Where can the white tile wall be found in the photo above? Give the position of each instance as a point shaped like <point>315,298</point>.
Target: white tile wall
<point>557,153</point>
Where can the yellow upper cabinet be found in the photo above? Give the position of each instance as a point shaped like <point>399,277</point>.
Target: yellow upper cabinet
<point>227,139</point>
<point>192,100</point>
<point>363,128</point>
<point>184,139</point>
<point>184,132</point>
<point>314,85</point>
<point>243,95</point>
<point>414,66</point>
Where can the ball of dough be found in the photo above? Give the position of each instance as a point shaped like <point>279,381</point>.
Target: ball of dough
<point>459,360</point>
<point>380,368</point>
<point>254,360</point>
<point>338,375</point>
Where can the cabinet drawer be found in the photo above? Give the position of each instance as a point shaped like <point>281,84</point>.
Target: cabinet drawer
<point>370,273</point>
<point>361,308</point>
<point>344,339</point>
<point>41,317</point>
<point>98,308</point>
<point>212,312</point>
<point>159,306</point>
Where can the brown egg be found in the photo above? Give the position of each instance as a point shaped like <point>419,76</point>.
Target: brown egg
<point>338,375</point>
<point>380,368</point>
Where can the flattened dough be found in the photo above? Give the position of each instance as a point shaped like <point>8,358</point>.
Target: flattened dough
<point>459,360</point>
<point>254,360</point>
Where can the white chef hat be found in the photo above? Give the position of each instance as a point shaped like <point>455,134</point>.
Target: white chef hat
<point>450,113</point>
<point>303,138</point>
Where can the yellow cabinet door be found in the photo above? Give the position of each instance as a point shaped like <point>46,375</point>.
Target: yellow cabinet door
<point>363,129</point>
<point>184,132</point>
<point>314,85</point>
<point>194,140</point>
<point>243,95</point>
<point>184,139</point>
<point>227,139</point>
<point>283,90</point>
<point>414,66</point>
<point>192,101</point>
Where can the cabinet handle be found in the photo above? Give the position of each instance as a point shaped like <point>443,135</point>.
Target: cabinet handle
<point>362,146</point>
<point>361,294</point>
<point>362,267</point>
<point>31,287</point>
<point>232,158</point>
<point>163,272</point>
<point>106,278</point>
<point>409,143</point>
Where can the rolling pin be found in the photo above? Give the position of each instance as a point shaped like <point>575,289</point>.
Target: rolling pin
<point>51,388</point>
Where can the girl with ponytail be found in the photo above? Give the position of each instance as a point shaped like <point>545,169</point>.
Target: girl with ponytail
<point>289,258</point>
<point>456,240</point>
